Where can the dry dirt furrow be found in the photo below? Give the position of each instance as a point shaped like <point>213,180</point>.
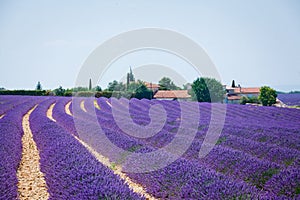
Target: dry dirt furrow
<point>50,111</point>
<point>67,108</point>
<point>31,182</point>
<point>82,106</point>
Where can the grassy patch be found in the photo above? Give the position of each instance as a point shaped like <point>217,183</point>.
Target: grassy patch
<point>174,130</point>
<point>288,162</point>
<point>172,122</point>
<point>266,175</point>
<point>201,127</point>
<point>113,166</point>
<point>297,190</point>
<point>263,139</point>
<point>134,148</point>
<point>221,140</point>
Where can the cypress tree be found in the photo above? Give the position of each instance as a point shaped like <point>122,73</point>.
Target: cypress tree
<point>233,84</point>
<point>90,84</point>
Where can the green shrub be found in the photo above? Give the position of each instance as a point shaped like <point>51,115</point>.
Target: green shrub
<point>24,92</point>
<point>267,96</point>
<point>246,99</point>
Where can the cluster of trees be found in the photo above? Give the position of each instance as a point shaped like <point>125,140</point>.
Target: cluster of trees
<point>244,100</point>
<point>131,89</point>
<point>167,84</point>
<point>207,90</point>
<point>267,97</point>
<point>202,90</point>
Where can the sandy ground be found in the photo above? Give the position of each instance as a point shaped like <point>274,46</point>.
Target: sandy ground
<point>82,106</point>
<point>67,108</point>
<point>108,103</point>
<point>96,104</point>
<point>32,184</point>
<point>50,111</point>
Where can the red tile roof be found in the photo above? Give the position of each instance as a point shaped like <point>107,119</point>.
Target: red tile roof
<point>247,90</point>
<point>180,94</point>
<point>151,85</point>
<point>250,90</point>
<point>234,97</point>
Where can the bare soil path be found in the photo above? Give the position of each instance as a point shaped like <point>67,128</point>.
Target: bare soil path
<point>32,184</point>
<point>82,106</point>
<point>50,111</point>
<point>67,108</point>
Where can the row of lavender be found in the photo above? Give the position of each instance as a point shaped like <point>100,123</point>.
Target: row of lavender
<point>206,183</point>
<point>13,108</point>
<point>255,157</point>
<point>193,180</point>
<point>71,172</point>
<point>290,99</point>
<point>234,156</point>
<point>265,153</point>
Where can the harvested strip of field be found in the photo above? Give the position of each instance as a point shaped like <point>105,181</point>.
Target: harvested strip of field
<point>82,106</point>
<point>32,184</point>
<point>108,103</point>
<point>1,116</point>
<point>137,188</point>
<point>50,111</point>
<point>96,104</point>
<point>67,108</point>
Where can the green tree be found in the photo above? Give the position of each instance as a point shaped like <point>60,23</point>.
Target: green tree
<point>246,99</point>
<point>267,96</point>
<point>143,92</point>
<point>233,84</point>
<point>38,86</point>
<point>90,84</point>
<point>167,84</point>
<point>207,90</point>
<point>79,89</point>
<point>97,88</point>
<point>116,86</point>
<point>59,91</point>
<point>133,86</point>
<point>130,77</point>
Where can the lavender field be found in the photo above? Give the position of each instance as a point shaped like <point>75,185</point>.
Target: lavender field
<point>290,99</point>
<point>257,155</point>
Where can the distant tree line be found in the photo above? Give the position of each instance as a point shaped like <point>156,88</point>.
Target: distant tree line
<point>203,89</point>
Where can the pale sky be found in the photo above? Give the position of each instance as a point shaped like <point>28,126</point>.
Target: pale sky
<point>253,42</point>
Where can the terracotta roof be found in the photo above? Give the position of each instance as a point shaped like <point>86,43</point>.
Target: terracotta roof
<point>247,90</point>
<point>234,97</point>
<point>254,90</point>
<point>180,94</point>
<point>151,85</point>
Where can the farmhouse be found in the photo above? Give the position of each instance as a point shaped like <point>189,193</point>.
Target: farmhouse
<point>234,94</point>
<point>172,95</point>
<point>152,86</point>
